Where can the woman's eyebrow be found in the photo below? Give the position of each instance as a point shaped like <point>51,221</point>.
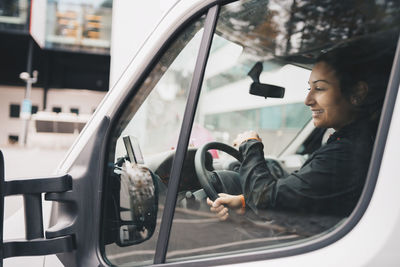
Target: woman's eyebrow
<point>314,82</point>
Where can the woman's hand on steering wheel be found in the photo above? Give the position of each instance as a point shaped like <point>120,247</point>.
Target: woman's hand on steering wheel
<point>246,136</point>
<point>223,202</point>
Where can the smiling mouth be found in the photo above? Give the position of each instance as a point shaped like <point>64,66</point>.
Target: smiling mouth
<point>317,112</point>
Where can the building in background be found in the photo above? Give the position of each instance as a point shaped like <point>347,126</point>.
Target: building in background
<point>68,43</point>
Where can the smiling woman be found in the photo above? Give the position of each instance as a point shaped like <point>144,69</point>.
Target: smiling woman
<point>350,73</point>
<point>330,109</point>
<point>331,180</point>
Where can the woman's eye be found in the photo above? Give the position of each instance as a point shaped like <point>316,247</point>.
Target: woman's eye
<point>316,88</point>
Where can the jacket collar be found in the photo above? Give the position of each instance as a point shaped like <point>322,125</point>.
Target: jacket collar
<point>351,130</point>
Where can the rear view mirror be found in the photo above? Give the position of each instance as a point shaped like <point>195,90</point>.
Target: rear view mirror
<point>262,89</point>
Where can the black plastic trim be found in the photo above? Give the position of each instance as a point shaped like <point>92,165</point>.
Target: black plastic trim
<point>38,185</point>
<point>77,212</point>
<point>190,110</point>
<point>30,248</point>
<point>32,190</point>
<point>33,216</point>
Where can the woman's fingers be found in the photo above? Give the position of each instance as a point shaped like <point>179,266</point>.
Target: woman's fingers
<point>224,217</point>
<point>215,206</point>
<point>220,210</point>
<point>222,204</point>
<point>245,136</point>
<point>217,209</point>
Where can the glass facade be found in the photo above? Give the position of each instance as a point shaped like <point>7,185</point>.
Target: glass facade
<point>14,15</point>
<point>79,25</point>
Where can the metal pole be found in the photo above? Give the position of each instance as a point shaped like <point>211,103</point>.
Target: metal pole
<point>26,110</point>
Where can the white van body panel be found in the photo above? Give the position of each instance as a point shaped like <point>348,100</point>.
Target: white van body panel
<point>132,23</point>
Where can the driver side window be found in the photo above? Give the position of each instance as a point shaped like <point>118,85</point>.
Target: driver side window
<point>141,150</point>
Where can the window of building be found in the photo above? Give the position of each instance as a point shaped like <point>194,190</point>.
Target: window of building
<point>56,109</point>
<point>81,25</point>
<point>74,110</point>
<point>14,14</point>
<point>13,139</point>
<point>15,110</point>
<point>35,109</point>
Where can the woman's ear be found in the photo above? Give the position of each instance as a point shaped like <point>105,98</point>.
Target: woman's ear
<point>360,91</point>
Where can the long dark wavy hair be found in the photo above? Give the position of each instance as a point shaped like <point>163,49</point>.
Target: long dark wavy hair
<point>366,60</point>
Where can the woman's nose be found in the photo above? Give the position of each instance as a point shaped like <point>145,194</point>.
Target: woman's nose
<point>309,101</point>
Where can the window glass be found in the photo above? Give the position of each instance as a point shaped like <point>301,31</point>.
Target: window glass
<point>15,110</point>
<point>14,14</point>
<point>79,25</point>
<point>57,109</point>
<point>35,109</point>
<point>333,60</point>
<point>142,147</point>
<point>13,139</point>
<point>74,110</point>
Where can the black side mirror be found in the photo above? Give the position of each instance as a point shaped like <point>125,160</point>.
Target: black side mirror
<point>262,89</point>
<point>136,195</point>
<point>141,215</point>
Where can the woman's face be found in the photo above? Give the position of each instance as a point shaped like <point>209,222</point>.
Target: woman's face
<point>330,109</point>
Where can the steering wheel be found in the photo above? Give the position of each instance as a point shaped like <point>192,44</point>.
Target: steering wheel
<point>205,176</point>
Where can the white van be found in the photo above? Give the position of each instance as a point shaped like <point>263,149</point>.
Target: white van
<point>132,189</point>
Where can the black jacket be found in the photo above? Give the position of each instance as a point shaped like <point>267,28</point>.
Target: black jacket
<point>329,182</point>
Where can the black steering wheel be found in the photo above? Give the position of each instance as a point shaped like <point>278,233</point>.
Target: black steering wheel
<point>208,178</point>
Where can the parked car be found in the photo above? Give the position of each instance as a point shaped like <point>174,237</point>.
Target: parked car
<point>131,189</point>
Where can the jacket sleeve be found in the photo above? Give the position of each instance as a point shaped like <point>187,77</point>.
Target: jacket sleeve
<point>322,180</point>
<point>257,182</point>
